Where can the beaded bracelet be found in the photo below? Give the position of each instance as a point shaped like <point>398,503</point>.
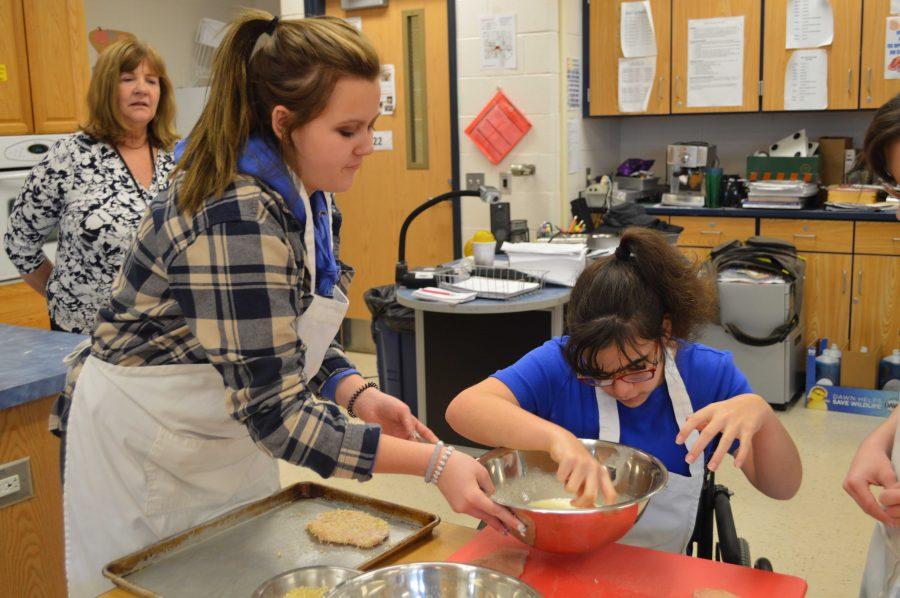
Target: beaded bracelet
<point>440,467</point>
<point>355,396</point>
<point>433,460</point>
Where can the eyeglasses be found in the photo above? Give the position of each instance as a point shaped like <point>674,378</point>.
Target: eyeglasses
<point>630,377</point>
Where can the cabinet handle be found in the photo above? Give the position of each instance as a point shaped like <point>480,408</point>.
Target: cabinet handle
<point>677,89</point>
<point>710,232</point>
<point>659,95</point>
<point>849,81</point>
<point>895,239</point>
<point>869,84</point>
<point>803,236</point>
<point>859,283</point>
<point>843,282</point>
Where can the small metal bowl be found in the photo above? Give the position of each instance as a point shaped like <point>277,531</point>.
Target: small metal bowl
<point>433,580</point>
<point>523,477</point>
<point>310,577</point>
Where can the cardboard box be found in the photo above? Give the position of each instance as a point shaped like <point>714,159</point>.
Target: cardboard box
<point>765,168</point>
<point>844,398</point>
<point>860,370</point>
<point>831,149</point>
<point>852,194</point>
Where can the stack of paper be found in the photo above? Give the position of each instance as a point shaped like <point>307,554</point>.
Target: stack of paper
<point>562,262</point>
<point>488,287</point>
<point>443,295</point>
<point>881,206</point>
<point>791,195</point>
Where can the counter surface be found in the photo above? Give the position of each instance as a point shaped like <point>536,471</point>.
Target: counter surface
<point>31,363</point>
<point>763,213</point>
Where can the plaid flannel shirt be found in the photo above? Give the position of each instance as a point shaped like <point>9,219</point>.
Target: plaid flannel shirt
<point>226,287</point>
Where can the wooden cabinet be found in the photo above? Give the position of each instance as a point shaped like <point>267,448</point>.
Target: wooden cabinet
<point>876,302</point>
<point>700,231</point>
<point>684,11</point>
<point>874,89</point>
<point>43,47</point>
<point>810,235</point>
<point>881,238</point>
<point>606,50</point>
<point>843,54</point>
<point>826,297</point>
<point>15,90</point>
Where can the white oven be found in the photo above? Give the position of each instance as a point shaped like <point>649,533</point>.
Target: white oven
<point>18,154</point>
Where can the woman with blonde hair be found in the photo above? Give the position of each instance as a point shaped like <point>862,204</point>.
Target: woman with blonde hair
<point>95,186</point>
<point>222,324</point>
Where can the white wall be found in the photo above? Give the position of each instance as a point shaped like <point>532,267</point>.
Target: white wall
<point>167,25</point>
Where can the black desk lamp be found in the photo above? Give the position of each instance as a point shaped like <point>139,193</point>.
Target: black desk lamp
<point>425,278</point>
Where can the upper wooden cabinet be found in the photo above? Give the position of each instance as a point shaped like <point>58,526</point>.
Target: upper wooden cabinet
<point>15,90</point>
<point>874,89</point>
<point>684,11</point>
<point>43,46</point>
<point>606,50</point>
<point>843,54</point>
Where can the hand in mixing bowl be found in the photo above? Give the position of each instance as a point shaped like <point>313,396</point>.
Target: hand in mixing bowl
<point>580,471</point>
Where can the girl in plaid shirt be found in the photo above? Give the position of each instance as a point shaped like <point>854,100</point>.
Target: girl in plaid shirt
<point>221,327</point>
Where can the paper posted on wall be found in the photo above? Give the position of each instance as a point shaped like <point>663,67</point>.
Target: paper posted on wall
<point>636,34</point>
<point>635,83</point>
<point>715,62</point>
<point>498,41</point>
<point>892,48</point>
<point>388,89</point>
<point>806,80</point>
<point>809,24</point>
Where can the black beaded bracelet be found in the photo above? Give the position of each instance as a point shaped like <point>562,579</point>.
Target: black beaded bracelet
<point>355,396</point>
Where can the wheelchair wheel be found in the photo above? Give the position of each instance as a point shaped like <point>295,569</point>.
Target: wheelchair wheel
<point>744,552</point>
<point>763,564</point>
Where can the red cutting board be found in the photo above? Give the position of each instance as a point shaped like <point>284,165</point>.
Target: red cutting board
<point>629,572</point>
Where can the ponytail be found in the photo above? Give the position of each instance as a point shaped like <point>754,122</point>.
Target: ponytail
<point>630,296</point>
<point>262,63</point>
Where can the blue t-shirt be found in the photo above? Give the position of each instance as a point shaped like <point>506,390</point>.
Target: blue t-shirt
<point>544,384</point>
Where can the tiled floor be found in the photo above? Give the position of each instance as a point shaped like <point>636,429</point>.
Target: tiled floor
<point>820,535</point>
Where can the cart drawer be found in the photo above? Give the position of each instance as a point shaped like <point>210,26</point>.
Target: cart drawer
<point>882,238</point>
<point>700,231</point>
<point>810,235</point>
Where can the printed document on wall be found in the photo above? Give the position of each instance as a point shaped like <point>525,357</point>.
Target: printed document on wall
<point>573,145</point>
<point>635,82</point>
<point>892,48</point>
<point>498,41</point>
<point>895,7</point>
<point>573,83</point>
<point>715,62</point>
<point>388,89</point>
<point>810,24</point>
<point>806,80</point>
<point>636,34</point>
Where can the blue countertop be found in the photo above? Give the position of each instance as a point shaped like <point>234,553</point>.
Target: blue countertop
<point>31,363</point>
<point>763,213</point>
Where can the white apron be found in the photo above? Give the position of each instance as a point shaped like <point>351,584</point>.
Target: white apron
<point>882,575</point>
<point>668,521</point>
<point>152,451</point>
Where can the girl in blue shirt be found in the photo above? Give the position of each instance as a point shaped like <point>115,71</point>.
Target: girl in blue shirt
<point>627,372</point>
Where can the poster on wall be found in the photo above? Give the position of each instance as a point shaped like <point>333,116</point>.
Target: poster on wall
<point>388,89</point>
<point>892,48</point>
<point>715,74</point>
<point>498,41</point>
<point>573,83</point>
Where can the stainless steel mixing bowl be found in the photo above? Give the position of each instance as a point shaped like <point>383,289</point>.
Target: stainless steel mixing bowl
<point>434,580</point>
<point>304,577</point>
<point>523,477</point>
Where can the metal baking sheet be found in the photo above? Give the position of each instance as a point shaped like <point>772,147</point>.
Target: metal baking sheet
<point>234,553</point>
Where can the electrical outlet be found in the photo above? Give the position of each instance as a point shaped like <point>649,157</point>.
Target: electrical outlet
<point>15,482</point>
<point>474,180</point>
<point>505,183</point>
<point>10,485</point>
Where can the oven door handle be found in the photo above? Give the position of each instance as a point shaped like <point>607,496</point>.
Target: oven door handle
<point>10,175</point>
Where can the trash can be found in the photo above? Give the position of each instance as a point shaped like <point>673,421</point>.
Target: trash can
<point>393,330</point>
